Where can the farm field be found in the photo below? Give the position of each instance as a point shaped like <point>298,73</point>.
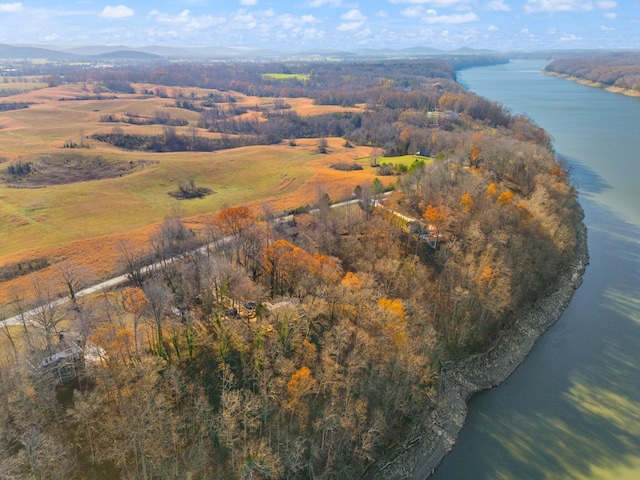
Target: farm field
<point>83,221</point>
<point>14,85</point>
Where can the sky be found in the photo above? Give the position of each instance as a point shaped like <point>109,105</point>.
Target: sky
<point>332,24</point>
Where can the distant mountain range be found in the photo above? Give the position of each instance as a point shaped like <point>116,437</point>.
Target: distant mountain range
<point>150,53</point>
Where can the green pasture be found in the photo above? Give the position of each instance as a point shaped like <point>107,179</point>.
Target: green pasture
<point>404,159</point>
<point>56,215</point>
<point>287,76</point>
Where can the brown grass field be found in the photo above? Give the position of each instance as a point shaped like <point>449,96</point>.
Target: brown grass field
<point>83,222</point>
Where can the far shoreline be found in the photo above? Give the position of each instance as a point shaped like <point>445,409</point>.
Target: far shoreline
<point>589,83</point>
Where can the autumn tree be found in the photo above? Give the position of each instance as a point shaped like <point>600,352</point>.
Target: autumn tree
<point>134,301</point>
<point>467,202</point>
<point>437,218</point>
<point>300,384</point>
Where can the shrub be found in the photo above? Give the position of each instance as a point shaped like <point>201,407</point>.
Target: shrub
<point>20,169</point>
<point>346,167</point>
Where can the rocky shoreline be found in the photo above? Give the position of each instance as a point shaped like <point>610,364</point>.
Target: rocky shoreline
<point>433,436</point>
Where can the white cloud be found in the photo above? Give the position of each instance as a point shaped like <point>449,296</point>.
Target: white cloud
<point>117,12</point>
<point>569,37</point>
<point>611,15</point>
<point>248,2</point>
<point>52,37</point>
<point>350,26</point>
<point>604,28</point>
<point>246,19</point>
<point>498,5</point>
<point>10,7</point>
<point>354,20</point>
<point>526,33</point>
<point>182,17</point>
<point>493,28</point>
<point>320,3</point>
<point>313,34</point>
<point>412,12</point>
<point>354,15</point>
<point>186,20</point>
<point>434,3</point>
<point>456,18</point>
<point>382,14</point>
<point>536,6</point>
<point>431,17</point>
<point>291,22</point>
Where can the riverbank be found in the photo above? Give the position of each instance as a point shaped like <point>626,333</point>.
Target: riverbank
<point>433,436</point>
<point>589,83</point>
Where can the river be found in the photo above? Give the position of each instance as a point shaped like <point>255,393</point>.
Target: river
<point>572,409</point>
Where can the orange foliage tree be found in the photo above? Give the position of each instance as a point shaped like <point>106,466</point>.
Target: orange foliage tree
<point>115,341</point>
<point>233,220</point>
<point>467,202</point>
<point>134,301</point>
<point>286,264</point>
<point>300,384</point>
<point>476,146</point>
<point>436,217</point>
<point>396,322</point>
<point>505,198</point>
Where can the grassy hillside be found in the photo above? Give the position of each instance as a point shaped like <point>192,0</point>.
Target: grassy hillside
<point>48,222</point>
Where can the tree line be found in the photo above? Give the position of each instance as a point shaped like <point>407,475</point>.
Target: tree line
<point>611,69</point>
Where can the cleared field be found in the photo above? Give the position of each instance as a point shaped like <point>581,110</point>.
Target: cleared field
<point>83,222</point>
<point>12,85</point>
<point>404,159</point>
<point>288,76</point>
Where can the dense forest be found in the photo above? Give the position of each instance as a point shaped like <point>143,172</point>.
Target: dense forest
<point>611,69</point>
<point>302,347</point>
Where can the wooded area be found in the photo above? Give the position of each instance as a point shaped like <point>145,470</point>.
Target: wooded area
<point>611,69</point>
<point>301,348</point>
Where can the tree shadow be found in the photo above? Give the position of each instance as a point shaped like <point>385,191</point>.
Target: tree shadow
<point>588,181</point>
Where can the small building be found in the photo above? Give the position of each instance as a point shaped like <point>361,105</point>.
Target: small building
<point>65,364</point>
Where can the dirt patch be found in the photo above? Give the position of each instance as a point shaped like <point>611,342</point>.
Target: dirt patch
<point>66,168</point>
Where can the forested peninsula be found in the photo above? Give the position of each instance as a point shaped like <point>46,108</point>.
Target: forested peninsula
<point>617,72</point>
<point>326,341</point>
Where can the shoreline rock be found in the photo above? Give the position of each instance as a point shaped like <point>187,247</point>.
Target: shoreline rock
<point>434,435</point>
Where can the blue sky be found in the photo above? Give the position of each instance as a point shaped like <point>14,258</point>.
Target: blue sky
<point>344,24</point>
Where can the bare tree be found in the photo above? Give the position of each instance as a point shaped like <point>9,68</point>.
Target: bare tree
<point>74,277</point>
<point>376,154</point>
<point>49,313</point>
<point>323,145</point>
<point>7,331</point>
<point>159,299</point>
<point>133,260</point>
